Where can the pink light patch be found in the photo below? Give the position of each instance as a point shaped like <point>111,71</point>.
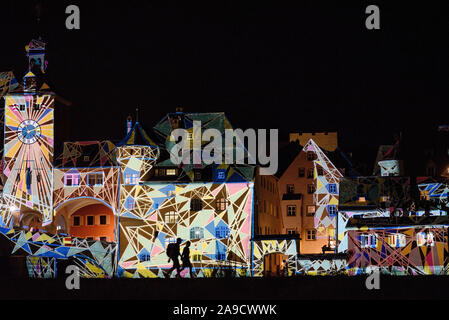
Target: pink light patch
<point>153,217</point>
<point>245,227</point>
<point>310,148</point>
<point>233,188</point>
<point>210,218</point>
<point>128,264</point>
<point>245,242</point>
<point>217,190</point>
<point>36,236</point>
<point>248,206</point>
<point>156,250</point>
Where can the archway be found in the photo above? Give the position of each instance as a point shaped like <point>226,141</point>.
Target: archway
<point>274,264</point>
<point>88,218</point>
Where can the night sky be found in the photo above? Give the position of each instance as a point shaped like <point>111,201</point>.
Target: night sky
<point>309,67</point>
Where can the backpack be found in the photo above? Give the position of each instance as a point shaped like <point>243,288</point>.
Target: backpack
<point>170,250</point>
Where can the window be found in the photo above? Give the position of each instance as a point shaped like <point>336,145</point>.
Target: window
<point>90,238</point>
<point>103,220</point>
<point>291,231</point>
<point>86,158</point>
<point>196,233</point>
<point>221,175</point>
<point>368,240</point>
<point>311,234</point>
<point>90,220</point>
<point>171,217</point>
<point>36,106</point>
<point>197,175</point>
<point>320,171</point>
<point>301,172</point>
<point>171,172</point>
<point>127,179</point>
<point>135,178</point>
<point>310,173</point>
<point>103,239</point>
<point>72,179</point>
<point>310,211</point>
<point>196,205</point>
<point>331,209</point>
<point>424,239</point>
<point>362,199</point>
<point>95,179</point>
<point>22,107</point>
<point>332,187</point>
<point>168,241</point>
<point>76,221</point>
<point>290,188</point>
<point>384,199</point>
<point>310,156</point>
<point>424,195</point>
<point>196,257</point>
<point>222,204</point>
<point>310,188</point>
<point>130,204</point>
<point>397,240</point>
<point>291,211</point>
<point>160,172</point>
<point>221,232</point>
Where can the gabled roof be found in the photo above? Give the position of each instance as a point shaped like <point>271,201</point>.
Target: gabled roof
<point>137,136</point>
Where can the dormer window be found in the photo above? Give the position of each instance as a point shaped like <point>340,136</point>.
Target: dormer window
<point>36,106</point>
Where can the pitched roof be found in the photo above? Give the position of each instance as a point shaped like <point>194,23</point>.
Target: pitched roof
<point>137,136</point>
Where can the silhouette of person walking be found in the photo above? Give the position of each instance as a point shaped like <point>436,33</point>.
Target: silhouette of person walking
<point>173,253</point>
<point>185,258</point>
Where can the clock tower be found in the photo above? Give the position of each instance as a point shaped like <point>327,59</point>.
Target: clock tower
<point>29,146</point>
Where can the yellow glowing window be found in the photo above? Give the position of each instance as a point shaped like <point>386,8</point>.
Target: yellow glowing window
<point>171,172</point>
<point>362,199</point>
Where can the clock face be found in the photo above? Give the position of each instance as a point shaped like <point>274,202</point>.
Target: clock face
<point>29,131</point>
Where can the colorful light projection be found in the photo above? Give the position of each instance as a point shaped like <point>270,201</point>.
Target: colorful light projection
<point>215,218</point>
<point>261,248</point>
<point>317,265</point>
<point>409,249</point>
<point>28,154</point>
<point>325,197</point>
<point>95,259</point>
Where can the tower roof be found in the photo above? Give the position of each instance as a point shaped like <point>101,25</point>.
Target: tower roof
<point>137,136</point>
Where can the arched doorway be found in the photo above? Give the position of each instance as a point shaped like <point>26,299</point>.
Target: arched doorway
<point>273,264</point>
<point>87,218</point>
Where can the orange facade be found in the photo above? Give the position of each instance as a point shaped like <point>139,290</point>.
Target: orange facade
<point>94,221</point>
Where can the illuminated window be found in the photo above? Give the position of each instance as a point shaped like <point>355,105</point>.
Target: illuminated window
<point>135,178</point>
<point>130,204</point>
<point>103,239</point>
<point>103,220</point>
<point>424,239</point>
<point>396,240</point>
<point>222,232</point>
<point>310,188</point>
<point>384,199</point>
<point>196,205</point>
<point>127,179</point>
<point>368,240</point>
<point>362,199</point>
<point>221,175</point>
<point>171,172</point>
<point>171,217</point>
<point>311,234</point>
<point>301,172</point>
<point>222,204</point>
<point>290,188</point>
<point>310,173</point>
<point>196,233</point>
<point>90,220</point>
<point>22,107</point>
<point>196,257</point>
<point>291,211</point>
<point>332,187</point>
<point>424,195</point>
<point>72,179</point>
<point>332,209</point>
<point>77,221</point>
<point>310,211</point>
<point>86,158</point>
<point>95,179</point>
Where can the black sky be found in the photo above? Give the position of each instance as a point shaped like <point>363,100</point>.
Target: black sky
<point>308,67</point>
